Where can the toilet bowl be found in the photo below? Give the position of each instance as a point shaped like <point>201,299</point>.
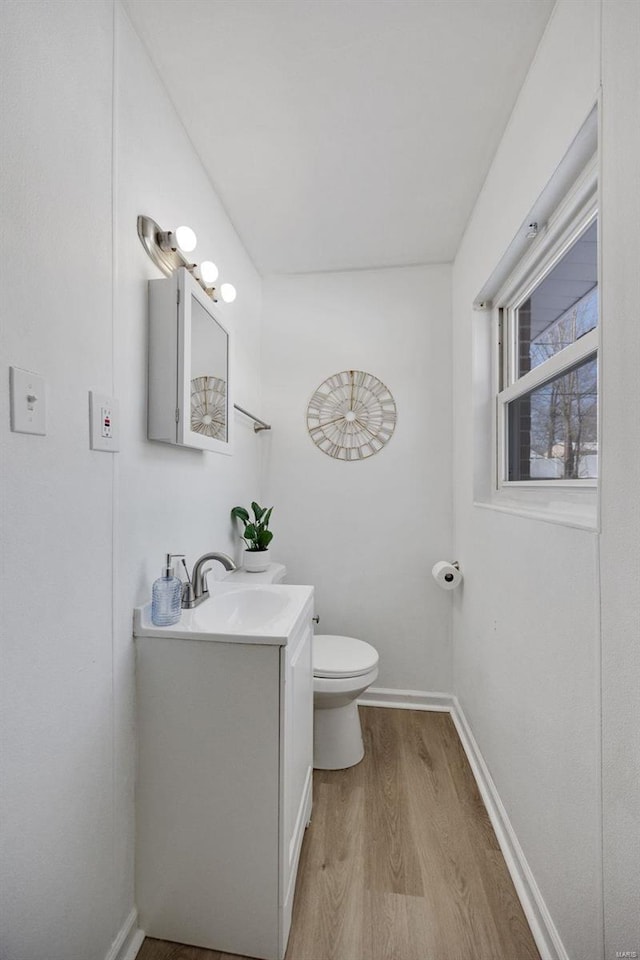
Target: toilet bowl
<point>343,668</point>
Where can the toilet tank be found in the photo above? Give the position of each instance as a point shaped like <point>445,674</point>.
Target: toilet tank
<point>275,573</point>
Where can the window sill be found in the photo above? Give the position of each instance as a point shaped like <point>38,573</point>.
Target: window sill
<point>580,516</point>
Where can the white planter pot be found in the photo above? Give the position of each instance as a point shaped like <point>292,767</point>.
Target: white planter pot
<point>256,561</point>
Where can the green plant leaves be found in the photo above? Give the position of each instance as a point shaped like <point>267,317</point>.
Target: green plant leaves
<point>255,534</point>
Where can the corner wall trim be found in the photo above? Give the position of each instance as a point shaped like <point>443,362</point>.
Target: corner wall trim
<point>129,940</point>
<point>542,926</point>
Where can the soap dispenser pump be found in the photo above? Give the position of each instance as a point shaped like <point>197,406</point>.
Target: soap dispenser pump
<point>166,595</point>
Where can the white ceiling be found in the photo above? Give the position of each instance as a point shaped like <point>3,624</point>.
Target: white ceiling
<point>344,133</point>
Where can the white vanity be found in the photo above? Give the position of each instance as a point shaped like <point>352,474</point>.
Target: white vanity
<point>225,740</point>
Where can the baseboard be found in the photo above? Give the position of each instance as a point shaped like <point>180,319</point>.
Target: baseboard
<point>542,926</point>
<point>406,699</point>
<point>128,942</point>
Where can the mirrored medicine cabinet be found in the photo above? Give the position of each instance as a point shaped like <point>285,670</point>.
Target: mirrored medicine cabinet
<point>189,360</point>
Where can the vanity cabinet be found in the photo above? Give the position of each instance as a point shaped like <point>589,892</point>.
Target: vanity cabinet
<point>225,755</point>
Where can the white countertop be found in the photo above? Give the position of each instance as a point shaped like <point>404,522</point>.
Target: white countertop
<point>236,612</point>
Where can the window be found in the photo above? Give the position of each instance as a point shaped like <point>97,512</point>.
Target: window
<point>547,398</point>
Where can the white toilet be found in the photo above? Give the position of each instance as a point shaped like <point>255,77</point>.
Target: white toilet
<point>343,668</point>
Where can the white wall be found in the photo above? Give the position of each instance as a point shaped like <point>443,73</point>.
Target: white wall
<point>84,532</point>
<point>87,531</point>
<point>58,889</point>
<point>366,533</point>
<point>620,557</point>
<point>526,627</point>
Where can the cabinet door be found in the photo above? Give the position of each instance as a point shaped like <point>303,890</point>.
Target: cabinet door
<point>190,359</point>
<point>296,753</point>
<point>204,361</point>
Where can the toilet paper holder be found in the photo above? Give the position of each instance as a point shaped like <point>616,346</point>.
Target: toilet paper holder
<point>448,577</point>
<point>447,574</point>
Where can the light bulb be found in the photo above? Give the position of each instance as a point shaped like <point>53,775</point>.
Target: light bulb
<point>185,239</point>
<point>228,292</point>
<point>208,272</point>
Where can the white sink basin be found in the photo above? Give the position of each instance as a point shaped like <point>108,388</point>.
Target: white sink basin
<point>248,608</point>
<point>234,612</point>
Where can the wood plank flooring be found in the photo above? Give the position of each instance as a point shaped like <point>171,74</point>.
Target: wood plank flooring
<point>400,861</point>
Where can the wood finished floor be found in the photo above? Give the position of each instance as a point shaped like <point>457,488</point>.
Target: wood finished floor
<point>400,861</point>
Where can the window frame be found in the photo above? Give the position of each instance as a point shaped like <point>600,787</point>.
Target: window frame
<point>573,216</point>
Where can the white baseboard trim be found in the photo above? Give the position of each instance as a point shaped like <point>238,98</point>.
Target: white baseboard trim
<point>128,942</point>
<point>406,699</point>
<point>542,926</point>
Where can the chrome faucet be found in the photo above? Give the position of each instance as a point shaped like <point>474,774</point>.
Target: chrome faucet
<point>196,590</point>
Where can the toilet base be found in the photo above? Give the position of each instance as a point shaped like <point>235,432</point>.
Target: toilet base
<point>337,737</point>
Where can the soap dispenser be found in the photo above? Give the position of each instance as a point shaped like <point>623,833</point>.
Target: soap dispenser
<point>166,595</point>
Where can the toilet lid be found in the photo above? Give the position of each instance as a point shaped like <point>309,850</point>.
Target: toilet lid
<point>342,657</point>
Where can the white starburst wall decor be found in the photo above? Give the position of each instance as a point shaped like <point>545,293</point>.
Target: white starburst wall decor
<point>351,415</point>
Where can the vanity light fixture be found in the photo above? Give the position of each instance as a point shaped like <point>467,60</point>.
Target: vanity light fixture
<point>228,292</point>
<point>182,239</point>
<point>167,249</point>
<point>209,274</point>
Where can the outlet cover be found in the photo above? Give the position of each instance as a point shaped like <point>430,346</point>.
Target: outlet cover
<point>104,422</point>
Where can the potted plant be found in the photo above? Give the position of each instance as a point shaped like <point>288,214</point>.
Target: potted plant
<point>256,535</point>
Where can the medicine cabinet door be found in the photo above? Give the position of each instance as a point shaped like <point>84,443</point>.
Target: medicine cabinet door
<point>203,370</point>
<point>190,401</point>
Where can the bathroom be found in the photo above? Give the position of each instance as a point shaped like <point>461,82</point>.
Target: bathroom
<point>538,645</point>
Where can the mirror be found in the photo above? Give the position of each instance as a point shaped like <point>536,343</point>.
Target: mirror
<point>187,337</point>
<point>209,374</point>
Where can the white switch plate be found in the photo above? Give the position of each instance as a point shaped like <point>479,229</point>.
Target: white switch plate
<point>104,422</point>
<point>28,402</point>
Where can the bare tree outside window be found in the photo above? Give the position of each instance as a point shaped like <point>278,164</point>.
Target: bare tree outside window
<point>560,422</point>
<point>552,428</point>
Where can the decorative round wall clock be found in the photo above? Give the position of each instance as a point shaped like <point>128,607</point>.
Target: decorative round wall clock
<point>351,415</point>
<point>208,407</point>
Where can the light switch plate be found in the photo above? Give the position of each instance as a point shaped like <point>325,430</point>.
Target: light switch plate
<point>28,402</point>
<point>104,422</point>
